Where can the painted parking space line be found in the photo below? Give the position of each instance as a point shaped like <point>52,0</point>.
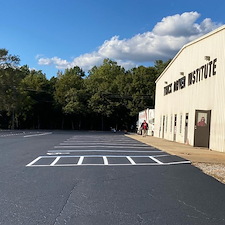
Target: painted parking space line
<point>11,134</point>
<point>103,141</point>
<point>34,161</point>
<point>17,133</point>
<point>131,160</point>
<point>99,146</point>
<point>55,161</point>
<point>105,160</point>
<point>117,156</point>
<point>81,159</point>
<point>106,139</point>
<point>156,160</point>
<point>71,144</point>
<point>38,134</point>
<point>97,150</point>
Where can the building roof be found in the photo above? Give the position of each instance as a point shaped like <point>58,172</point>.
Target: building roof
<point>189,44</point>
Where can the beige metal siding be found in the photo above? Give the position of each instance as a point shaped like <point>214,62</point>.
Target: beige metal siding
<point>207,94</point>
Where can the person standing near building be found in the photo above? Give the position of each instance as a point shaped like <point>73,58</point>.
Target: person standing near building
<point>144,127</point>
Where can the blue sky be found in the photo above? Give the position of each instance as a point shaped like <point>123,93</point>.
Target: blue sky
<point>51,35</point>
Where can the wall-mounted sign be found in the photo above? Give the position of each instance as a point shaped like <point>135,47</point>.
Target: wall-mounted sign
<point>203,72</point>
<point>199,74</point>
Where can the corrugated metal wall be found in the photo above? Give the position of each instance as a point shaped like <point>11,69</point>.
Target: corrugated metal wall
<point>206,94</point>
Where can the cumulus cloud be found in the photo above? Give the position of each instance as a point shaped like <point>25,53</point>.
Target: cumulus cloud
<point>184,25</point>
<point>59,63</point>
<point>163,42</point>
<point>87,61</point>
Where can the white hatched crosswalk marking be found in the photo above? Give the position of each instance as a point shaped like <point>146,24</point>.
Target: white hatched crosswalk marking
<point>131,159</point>
<point>103,151</point>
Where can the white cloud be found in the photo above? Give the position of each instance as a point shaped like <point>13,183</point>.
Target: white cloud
<point>184,25</point>
<point>59,63</point>
<point>45,61</point>
<point>163,42</point>
<point>177,25</point>
<point>87,61</point>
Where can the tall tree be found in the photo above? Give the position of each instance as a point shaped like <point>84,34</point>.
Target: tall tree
<point>10,77</point>
<point>139,86</point>
<point>109,94</point>
<point>8,60</point>
<point>39,99</point>
<point>103,87</point>
<point>70,93</point>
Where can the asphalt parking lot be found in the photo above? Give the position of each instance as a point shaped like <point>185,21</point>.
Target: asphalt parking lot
<point>69,177</point>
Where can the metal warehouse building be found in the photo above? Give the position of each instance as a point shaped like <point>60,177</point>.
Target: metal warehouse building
<point>190,94</point>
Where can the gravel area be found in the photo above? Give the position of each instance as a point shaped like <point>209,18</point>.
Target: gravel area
<point>215,170</point>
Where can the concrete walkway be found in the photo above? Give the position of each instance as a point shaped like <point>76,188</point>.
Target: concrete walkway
<point>193,154</point>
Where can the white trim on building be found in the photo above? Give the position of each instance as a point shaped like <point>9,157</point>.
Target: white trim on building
<point>190,88</point>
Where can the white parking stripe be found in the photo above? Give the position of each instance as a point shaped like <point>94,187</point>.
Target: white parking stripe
<point>83,150</point>
<point>81,159</point>
<point>105,144</point>
<point>100,146</point>
<point>33,135</point>
<point>100,141</point>
<point>58,153</point>
<point>105,160</point>
<point>131,160</point>
<point>55,161</point>
<point>34,161</point>
<point>94,156</point>
<point>156,160</point>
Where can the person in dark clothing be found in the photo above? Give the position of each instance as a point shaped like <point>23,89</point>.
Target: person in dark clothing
<point>144,127</point>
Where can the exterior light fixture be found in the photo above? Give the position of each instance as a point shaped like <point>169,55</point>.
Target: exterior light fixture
<point>166,82</point>
<point>207,58</point>
<point>182,73</point>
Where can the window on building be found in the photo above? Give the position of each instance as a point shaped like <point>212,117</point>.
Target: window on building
<point>181,123</point>
<point>166,123</point>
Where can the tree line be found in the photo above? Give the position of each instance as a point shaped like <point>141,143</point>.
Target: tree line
<point>108,96</point>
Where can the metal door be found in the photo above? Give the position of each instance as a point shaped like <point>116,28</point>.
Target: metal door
<point>202,128</point>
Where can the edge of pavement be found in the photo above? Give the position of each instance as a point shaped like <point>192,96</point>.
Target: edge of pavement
<point>210,162</point>
<point>193,154</point>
